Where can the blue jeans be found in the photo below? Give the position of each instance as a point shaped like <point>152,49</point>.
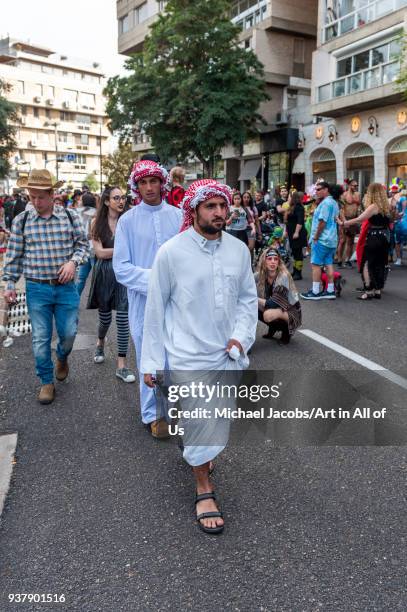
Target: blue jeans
<point>83,273</point>
<point>45,302</point>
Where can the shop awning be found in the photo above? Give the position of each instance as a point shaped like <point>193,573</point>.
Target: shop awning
<point>250,170</point>
<point>299,164</point>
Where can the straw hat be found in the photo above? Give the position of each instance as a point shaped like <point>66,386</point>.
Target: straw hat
<point>38,179</point>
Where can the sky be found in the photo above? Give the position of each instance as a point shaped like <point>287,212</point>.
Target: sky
<point>84,29</point>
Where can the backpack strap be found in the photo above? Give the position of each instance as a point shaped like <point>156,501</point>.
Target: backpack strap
<point>68,214</point>
<point>27,212</point>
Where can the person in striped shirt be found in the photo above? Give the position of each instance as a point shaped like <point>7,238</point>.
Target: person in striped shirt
<point>46,245</point>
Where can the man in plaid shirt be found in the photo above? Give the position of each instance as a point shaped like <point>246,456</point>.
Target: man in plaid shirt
<point>46,245</point>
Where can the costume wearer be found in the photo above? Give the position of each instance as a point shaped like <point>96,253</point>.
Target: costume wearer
<point>139,234</point>
<point>202,294</point>
<point>294,218</point>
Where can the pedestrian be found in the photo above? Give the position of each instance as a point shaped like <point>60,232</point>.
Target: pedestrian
<point>201,309</point>
<point>324,241</point>
<point>176,193</point>
<point>20,204</point>
<point>260,203</point>
<point>106,293</point>
<point>400,226</point>
<point>76,199</point>
<point>375,252</point>
<point>253,217</point>
<point>278,302</point>
<point>281,200</point>
<point>297,234</point>
<point>349,209</point>
<point>47,244</point>
<point>139,234</point>
<point>237,221</point>
<point>87,213</point>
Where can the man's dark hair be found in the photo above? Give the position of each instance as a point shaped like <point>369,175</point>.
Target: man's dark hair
<point>151,157</point>
<point>323,184</point>
<point>88,200</point>
<point>336,191</point>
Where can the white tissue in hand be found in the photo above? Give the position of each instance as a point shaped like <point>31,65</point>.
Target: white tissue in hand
<point>234,353</point>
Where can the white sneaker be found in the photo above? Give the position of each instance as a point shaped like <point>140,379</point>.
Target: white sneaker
<point>397,262</point>
<point>125,375</point>
<point>99,356</point>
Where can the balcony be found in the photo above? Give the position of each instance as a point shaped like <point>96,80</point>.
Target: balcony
<point>353,20</point>
<point>248,13</point>
<point>360,81</point>
<point>368,88</point>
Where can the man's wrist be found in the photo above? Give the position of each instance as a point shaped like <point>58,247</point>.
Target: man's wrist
<point>75,263</point>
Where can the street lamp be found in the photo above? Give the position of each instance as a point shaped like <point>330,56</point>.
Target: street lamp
<point>55,126</point>
<point>373,126</point>
<point>332,133</point>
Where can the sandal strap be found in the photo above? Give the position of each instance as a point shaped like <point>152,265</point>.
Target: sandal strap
<point>204,496</point>
<point>205,515</point>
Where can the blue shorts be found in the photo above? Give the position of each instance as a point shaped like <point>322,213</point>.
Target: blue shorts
<point>322,255</point>
<point>400,233</point>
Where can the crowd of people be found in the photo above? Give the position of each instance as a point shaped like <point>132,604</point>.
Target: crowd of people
<point>163,253</point>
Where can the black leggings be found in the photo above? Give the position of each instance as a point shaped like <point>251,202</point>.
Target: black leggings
<point>122,325</point>
<point>376,254</point>
<point>296,251</point>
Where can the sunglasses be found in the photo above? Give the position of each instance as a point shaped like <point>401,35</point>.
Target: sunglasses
<point>119,198</point>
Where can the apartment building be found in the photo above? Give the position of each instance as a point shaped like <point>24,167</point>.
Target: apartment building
<point>360,117</point>
<point>63,120</point>
<point>282,33</point>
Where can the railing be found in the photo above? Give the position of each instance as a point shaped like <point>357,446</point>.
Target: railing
<point>252,16</point>
<point>358,18</point>
<point>360,81</point>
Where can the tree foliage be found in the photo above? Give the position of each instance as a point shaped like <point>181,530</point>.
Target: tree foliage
<point>118,164</point>
<point>92,182</point>
<point>8,119</point>
<point>192,89</point>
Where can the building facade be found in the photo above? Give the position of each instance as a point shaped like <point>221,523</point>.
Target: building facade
<point>359,128</point>
<point>63,120</point>
<point>282,33</point>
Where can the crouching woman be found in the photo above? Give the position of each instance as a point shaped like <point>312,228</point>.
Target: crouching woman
<point>279,306</point>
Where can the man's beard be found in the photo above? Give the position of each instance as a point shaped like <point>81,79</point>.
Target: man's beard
<point>209,229</point>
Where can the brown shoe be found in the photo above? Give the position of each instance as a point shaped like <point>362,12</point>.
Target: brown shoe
<point>47,394</point>
<point>61,370</point>
<point>159,429</point>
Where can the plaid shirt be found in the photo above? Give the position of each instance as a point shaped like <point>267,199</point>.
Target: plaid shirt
<point>46,245</point>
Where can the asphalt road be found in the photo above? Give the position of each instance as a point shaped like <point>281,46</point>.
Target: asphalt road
<point>100,512</point>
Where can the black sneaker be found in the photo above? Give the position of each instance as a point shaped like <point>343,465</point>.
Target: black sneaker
<point>339,264</point>
<point>310,295</point>
<point>349,264</point>
<point>327,295</point>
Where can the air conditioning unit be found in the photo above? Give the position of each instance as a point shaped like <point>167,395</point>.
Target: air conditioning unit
<point>32,143</point>
<point>37,99</point>
<point>282,118</point>
<point>66,104</point>
<point>92,108</point>
<point>50,102</point>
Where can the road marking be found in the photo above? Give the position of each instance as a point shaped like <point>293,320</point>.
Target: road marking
<point>366,363</point>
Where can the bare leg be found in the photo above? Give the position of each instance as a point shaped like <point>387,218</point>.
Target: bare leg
<point>262,304</point>
<point>330,272</point>
<point>316,273</point>
<point>275,314</point>
<point>203,485</point>
<point>349,247</point>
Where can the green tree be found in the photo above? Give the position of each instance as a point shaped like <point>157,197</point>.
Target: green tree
<point>193,88</point>
<point>118,164</point>
<point>8,117</point>
<point>92,182</point>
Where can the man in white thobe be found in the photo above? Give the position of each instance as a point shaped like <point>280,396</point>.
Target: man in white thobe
<point>201,308</point>
<point>139,234</point>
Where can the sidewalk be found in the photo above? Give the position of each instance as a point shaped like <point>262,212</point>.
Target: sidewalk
<point>102,513</point>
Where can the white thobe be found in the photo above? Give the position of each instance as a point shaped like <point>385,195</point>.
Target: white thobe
<point>139,234</point>
<point>197,301</point>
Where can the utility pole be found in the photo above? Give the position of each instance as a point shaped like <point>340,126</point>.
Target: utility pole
<point>55,126</point>
<point>100,156</point>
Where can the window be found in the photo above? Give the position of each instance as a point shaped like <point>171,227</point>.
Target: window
<point>47,69</point>
<point>84,139</point>
<point>49,91</point>
<point>85,119</point>
<point>48,113</point>
<point>124,24</point>
<point>36,112</point>
<point>361,61</point>
<point>70,96</point>
<point>81,159</point>
<point>62,137</point>
<point>87,99</point>
<point>20,87</point>
<point>98,141</point>
<point>38,89</point>
<point>66,116</point>
<point>344,67</point>
<point>141,13</point>
<point>23,110</point>
<point>44,155</point>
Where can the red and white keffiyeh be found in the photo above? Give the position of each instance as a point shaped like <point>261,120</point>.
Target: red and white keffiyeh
<point>202,191</point>
<point>144,168</point>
